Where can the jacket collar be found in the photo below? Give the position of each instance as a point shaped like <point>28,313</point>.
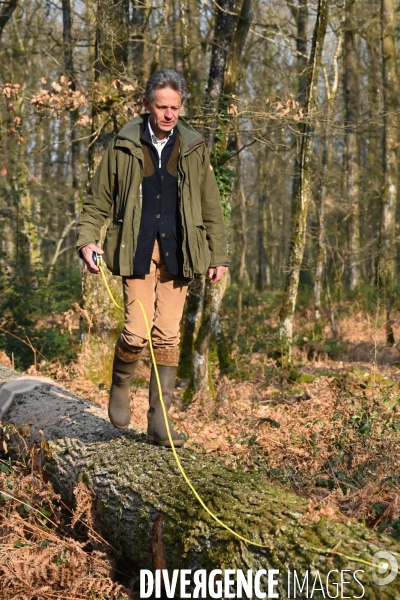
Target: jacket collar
<point>190,138</point>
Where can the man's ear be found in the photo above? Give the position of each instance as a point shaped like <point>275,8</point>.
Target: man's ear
<point>146,104</point>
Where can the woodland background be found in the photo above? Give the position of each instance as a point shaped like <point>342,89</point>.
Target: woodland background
<point>298,103</point>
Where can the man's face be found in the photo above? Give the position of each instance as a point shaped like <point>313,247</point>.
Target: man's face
<point>164,110</point>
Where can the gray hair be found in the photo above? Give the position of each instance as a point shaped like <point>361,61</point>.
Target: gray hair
<point>163,79</point>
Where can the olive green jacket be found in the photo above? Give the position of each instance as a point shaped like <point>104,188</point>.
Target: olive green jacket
<point>116,190</point>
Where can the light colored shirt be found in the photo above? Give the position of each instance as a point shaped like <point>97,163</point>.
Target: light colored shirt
<point>159,144</point>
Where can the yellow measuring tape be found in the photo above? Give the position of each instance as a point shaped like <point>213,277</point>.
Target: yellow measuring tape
<point>178,462</point>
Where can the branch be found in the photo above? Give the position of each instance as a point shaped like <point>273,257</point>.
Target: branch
<point>57,253</point>
<point>6,14</point>
<point>227,12</point>
<point>242,148</point>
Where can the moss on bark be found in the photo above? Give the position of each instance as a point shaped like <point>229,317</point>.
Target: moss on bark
<point>149,514</point>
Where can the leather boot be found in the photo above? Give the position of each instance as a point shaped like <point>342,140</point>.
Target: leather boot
<point>119,407</point>
<point>157,430</point>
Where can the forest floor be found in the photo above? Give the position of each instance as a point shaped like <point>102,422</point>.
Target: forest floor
<point>327,429</point>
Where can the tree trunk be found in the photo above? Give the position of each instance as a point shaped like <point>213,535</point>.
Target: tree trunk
<point>300,13</point>
<point>232,70</point>
<point>195,299</point>
<point>136,42</point>
<point>177,37</point>
<point>327,144</point>
<point>261,236</point>
<point>163,33</point>
<point>351,94</point>
<point>73,117</point>
<point>99,317</point>
<point>373,162</point>
<point>150,517</point>
<point>386,268</point>
<point>186,62</point>
<point>6,13</point>
<point>321,250</point>
<point>298,238</point>
<point>268,248</point>
<point>29,217</point>
<point>194,52</point>
<point>224,75</point>
<point>224,27</point>
<point>202,381</point>
<point>241,235</point>
<point>223,35</point>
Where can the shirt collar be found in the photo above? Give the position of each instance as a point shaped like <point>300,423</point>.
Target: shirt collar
<point>155,139</point>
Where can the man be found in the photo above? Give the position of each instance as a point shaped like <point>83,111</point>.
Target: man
<point>156,181</point>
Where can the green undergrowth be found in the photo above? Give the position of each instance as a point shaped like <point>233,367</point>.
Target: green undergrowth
<point>258,331</point>
<point>259,334</point>
<point>34,311</point>
<point>364,298</point>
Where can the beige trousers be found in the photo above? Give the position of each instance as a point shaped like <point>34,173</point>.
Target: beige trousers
<point>163,298</point>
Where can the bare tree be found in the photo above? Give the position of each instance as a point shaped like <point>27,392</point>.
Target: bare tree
<point>386,267</point>
<point>300,14</point>
<point>351,187</point>
<point>304,191</point>
<point>110,69</point>
<point>322,191</point>
<point>6,12</point>
<point>214,294</point>
<point>75,146</point>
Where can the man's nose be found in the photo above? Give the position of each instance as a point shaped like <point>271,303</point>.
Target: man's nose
<point>168,114</point>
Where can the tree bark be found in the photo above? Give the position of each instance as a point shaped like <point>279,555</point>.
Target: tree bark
<point>73,118</point>
<point>6,13</point>
<point>298,237</point>
<point>185,33</point>
<point>300,13</point>
<point>386,268</point>
<point>351,96</point>
<point>262,278</point>
<point>224,27</point>
<point>224,74</point>
<point>320,200</point>
<point>321,250</point>
<point>176,34</point>
<point>213,296</point>
<point>163,33</point>
<point>150,517</point>
<point>232,70</point>
<point>194,52</point>
<point>137,40</point>
<point>99,317</point>
<point>197,310</point>
<point>241,235</point>
<point>195,299</point>
<point>28,219</point>
<point>373,162</point>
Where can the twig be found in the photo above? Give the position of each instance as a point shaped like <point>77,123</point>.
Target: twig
<point>28,343</point>
<point>227,12</point>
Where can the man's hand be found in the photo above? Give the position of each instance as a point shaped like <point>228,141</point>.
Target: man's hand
<point>87,252</point>
<point>215,274</point>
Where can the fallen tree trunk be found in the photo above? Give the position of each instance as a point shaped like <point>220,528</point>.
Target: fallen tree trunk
<point>148,513</point>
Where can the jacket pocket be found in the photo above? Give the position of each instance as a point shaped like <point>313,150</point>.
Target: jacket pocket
<point>201,260</point>
<point>112,245</point>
